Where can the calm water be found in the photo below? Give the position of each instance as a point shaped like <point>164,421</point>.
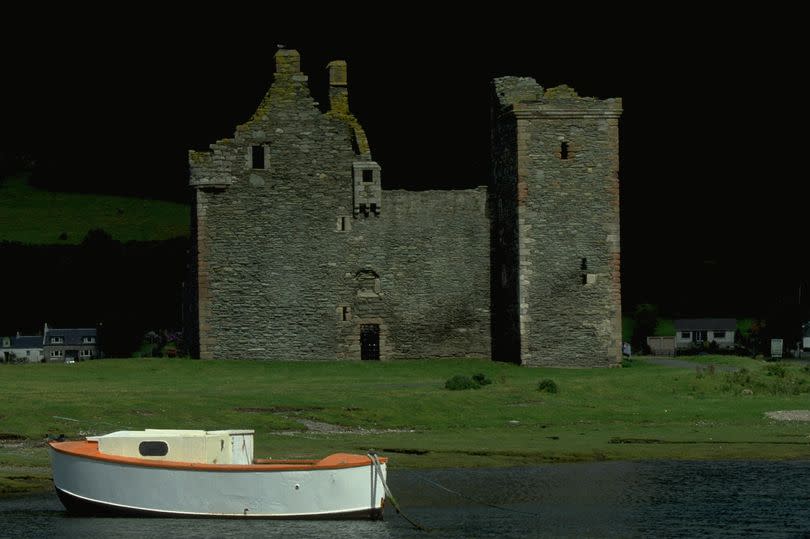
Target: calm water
<point>617,499</point>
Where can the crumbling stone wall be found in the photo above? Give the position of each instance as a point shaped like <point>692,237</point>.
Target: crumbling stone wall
<point>431,252</point>
<point>289,265</point>
<point>557,164</point>
<point>298,250</point>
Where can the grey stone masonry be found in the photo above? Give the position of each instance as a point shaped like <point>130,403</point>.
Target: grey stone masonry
<point>297,248</point>
<point>556,173</point>
<point>299,252</point>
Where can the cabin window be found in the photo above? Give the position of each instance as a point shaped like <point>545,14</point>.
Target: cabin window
<point>257,155</point>
<point>686,335</point>
<point>719,334</point>
<point>153,449</point>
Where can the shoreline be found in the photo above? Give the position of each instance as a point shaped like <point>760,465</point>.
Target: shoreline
<point>403,410</point>
<point>21,480</point>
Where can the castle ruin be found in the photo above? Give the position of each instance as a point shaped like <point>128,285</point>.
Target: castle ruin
<point>299,253</point>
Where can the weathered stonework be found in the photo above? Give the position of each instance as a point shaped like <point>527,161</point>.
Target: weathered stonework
<point>556,161</point>
<point>300,254</point>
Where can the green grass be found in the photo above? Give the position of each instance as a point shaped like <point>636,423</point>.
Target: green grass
<point>402,409</point>
<point>38,217</point>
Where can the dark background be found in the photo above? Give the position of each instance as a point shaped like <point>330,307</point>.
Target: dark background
<point>714,200</point>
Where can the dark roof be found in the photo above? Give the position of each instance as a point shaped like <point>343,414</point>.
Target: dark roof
<point>72,336</point>
<point>701,324</point>
<point>24,341</point>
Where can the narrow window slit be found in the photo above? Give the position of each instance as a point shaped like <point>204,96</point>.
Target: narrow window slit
<point>257,156</point>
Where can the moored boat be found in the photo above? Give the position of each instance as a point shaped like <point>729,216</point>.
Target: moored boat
<point>196,473</point>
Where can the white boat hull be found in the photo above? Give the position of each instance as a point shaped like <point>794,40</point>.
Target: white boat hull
<point>87,485</point>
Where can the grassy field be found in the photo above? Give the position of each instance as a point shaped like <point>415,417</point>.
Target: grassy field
<point>307,409</point>
<point>34,216</point>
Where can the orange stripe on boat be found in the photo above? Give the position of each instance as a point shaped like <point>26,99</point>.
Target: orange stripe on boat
<point>89,449</point>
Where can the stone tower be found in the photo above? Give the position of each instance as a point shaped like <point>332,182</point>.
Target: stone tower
<point>555,235</point>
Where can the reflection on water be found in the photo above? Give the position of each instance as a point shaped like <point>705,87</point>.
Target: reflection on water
<point>616,499</point>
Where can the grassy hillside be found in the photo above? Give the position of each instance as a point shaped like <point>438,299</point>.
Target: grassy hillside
<point>402,409</point>
<point>34,216</point>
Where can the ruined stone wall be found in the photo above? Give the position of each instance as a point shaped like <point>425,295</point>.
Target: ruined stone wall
<point>430,250</point>
<point>266,239</point>
<point>286,266</point>
<point>297,248</point>
<point>567,208</point>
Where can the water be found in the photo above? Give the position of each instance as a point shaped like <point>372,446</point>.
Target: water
<point>614,499</point>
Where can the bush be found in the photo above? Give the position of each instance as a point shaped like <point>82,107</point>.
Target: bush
<point>547,385</point>
<point>776,370</point>
<point>459,382</point>
<point>481,379</point>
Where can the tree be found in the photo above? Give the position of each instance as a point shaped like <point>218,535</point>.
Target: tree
<point>646,318</point>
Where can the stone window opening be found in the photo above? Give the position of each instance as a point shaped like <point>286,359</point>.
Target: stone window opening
<point>343,224</point>
<point>368,176</point>
<point>257,157</point>
<point>344,313</point>
<point>583,265</point>
<point>563,150</point>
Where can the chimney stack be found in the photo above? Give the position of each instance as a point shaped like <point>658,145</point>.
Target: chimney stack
<point>338,90</point>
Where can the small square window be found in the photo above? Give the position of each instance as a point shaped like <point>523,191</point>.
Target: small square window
<point>257,157</point>
<point>368,176</point>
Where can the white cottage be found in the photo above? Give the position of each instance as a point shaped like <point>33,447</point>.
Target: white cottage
<point>21,349</point>
<point>691,332</point>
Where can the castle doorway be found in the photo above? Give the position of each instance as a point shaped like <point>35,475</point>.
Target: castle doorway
<point>369,341</point>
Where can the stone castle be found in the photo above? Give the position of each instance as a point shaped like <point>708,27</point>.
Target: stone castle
<point>299,253</point>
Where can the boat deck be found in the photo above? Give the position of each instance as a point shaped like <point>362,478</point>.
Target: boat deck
<point>89,449</point>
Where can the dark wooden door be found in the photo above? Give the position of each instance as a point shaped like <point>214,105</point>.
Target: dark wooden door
<point>369,341</point>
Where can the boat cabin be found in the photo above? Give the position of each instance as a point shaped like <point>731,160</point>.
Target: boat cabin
<point>197,446</point>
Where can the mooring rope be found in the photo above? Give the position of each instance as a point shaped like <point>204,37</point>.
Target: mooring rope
<point>373,456</point>
<point>479,502</point>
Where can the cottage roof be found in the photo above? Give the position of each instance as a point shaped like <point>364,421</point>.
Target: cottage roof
<point>705,324</point>
<point>72,336</point>
<point>24,341</point>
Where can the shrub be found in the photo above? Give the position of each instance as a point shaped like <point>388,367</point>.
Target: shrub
<point>776,370</point>
<point>627,362</point>
<point>459,382</point>
<point>547,385</point>
<point>481,379</point>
